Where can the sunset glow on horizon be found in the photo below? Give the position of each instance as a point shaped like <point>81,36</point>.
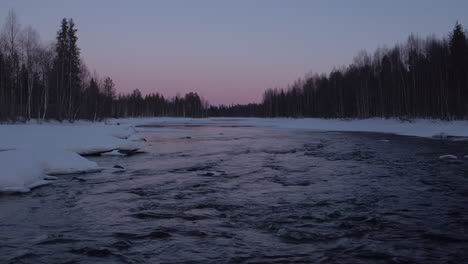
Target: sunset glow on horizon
<point>230,51</point>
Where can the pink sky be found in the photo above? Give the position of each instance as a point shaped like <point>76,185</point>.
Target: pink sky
<point>231,51</point>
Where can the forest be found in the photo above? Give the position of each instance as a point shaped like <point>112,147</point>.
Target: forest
<point>51,81</point>
<point>422,78</point>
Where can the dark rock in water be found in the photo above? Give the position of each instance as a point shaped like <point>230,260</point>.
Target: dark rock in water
<point>154,234</point>
<point>118,167</point>
<point>303,183</point>
<point>129,152</point>
<point>98,153</point>
<point>211,173</point>
<point>152,215</point>
<point>78,179</point>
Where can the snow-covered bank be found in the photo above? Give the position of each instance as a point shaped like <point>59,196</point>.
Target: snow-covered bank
<point>22,170</point>
<point>84,138</point>
<point>417,127</point>
<point>33,152</point>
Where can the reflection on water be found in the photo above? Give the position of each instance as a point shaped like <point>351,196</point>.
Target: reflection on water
<point>227,194</point>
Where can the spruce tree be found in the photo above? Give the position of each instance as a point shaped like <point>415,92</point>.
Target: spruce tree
<point>74,80</point>
<point>459,67</point>
<point>60,68</point>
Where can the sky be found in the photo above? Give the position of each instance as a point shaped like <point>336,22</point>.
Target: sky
<point>230,51</point>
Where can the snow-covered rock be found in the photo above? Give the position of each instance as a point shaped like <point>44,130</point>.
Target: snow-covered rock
<point>113,153</point>
<point>58,162</point>
<point>136,137</point>
<point>448,156</point>
<point>123,132</point>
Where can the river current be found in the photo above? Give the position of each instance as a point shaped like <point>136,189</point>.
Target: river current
<point>239,194</point>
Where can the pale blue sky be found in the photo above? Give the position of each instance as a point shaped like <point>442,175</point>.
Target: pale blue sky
<point>231,51</point>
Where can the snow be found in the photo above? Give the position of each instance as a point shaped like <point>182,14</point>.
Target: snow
<point>22,170</point>
<point>84,138</point>
<point>418,127</point>
<point>448,156</point>
<point>136,137</point>
<point>113,153</point>
<point>33,151</point>
<point>441,135</point>
<point>58,162</point>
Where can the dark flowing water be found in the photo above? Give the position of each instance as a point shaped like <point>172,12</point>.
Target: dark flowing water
<point>227,194</point>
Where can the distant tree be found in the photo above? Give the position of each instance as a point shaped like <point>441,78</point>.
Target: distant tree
<point>458,70</point>
<point>60,69</point>
<point>92,96</point>
<point>108,96</point>
<point>74,69</point>
<point>30,45</point>
<point>10,36</point>
<point>45,61</point>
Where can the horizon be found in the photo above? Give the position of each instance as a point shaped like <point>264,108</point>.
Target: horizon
<point>230,53</point>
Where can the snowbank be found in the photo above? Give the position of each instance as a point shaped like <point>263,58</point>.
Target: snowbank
<point>22,170</point>
<point>417,127</point>
<point>34,151</point>
<point>84,138</point>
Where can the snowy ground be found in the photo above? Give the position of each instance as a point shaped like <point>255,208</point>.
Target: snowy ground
<point>30,153</point>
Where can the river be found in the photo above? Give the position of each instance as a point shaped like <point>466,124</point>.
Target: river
<point>241,194</point>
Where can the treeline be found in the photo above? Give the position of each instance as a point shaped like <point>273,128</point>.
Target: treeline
<point>51,81</point>
<point>135,105</point>
<point>422,78</point>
